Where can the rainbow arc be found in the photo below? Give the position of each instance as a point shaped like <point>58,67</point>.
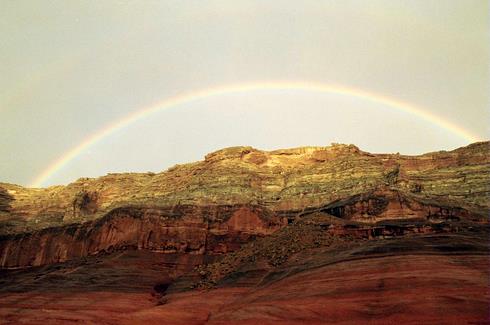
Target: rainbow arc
<point>185,98</point>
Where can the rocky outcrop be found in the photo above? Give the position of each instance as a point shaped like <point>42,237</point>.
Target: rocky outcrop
<point>281,180</point>
<point>215,230</point>
<point>389,204</point>
<point>171,230</point>
<point>288,236</point>
<point>5,201</point>
<point>235,194</point>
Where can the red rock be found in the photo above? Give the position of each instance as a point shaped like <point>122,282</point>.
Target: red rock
<point>181,229</point>
<point>411,288</point>
<point>309,235</point>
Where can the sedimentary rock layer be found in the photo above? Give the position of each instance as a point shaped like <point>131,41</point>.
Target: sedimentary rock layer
<point>281,180</point>
<point>171,230</point>
<point>424,279</point>
<point>236,194</point>
<point>309,235</point>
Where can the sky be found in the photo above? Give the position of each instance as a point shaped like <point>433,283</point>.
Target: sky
<point>71,69</point>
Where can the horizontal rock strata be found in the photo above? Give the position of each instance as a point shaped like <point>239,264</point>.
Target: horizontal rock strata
<point>281,180</point>
<point>306,235</point>
<point>171,230</point>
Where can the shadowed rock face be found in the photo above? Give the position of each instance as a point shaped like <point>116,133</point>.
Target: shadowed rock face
<point>5,200</point>
<point>315,235</point>
<point>390,204</point>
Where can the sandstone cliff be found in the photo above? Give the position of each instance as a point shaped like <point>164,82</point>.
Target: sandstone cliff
<point>237,193</point>
<point>282,180</point>
<point>309,235</point>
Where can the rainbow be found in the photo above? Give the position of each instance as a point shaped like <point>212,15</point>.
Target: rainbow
<point>242,88</point>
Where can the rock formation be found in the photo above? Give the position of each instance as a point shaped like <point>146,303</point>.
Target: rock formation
<point>178,229</point>
<point>245,222</point>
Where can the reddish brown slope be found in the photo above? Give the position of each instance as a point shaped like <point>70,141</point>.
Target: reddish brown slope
<point>423,279</point>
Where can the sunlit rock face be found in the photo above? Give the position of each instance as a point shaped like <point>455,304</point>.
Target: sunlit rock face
<point>289,232</point>
<point>282,180</point>
<point>172,230</point>
<point>184,208</point>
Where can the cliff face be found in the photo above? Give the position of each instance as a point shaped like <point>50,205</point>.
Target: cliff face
<point>176,230</point>
<point>281,180</point>
<point>307,235</point>
<point>212,206</point>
